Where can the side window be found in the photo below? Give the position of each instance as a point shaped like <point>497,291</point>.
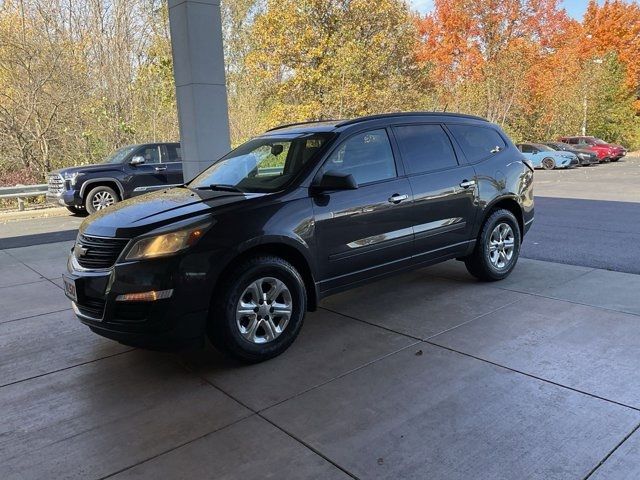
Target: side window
<point>574,141</point>
<point>367,156</point>
<point>150,154</point>
<point>525,149</point>
<point>425,148</point>
<point>174,153</point>
<point>477,142</point>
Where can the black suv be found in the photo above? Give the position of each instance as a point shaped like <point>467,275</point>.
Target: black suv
<point>259,238</point>
<point>129,171</point>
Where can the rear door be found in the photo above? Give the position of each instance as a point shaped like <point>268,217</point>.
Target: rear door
<point>444,189</point>
<point>363,232</point>
<point>172,159</point>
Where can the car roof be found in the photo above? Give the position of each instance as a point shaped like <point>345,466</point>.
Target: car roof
<point>321,126</point>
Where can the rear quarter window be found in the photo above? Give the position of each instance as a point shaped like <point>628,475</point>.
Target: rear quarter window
<point>477,142</point>
<point>425,148</point>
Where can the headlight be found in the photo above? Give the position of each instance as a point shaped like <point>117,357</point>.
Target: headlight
<point>72,177</point>
<point>166,243</point>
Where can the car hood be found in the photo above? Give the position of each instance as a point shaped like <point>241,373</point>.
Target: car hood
<point>100,167</point>
<point>142,214</point>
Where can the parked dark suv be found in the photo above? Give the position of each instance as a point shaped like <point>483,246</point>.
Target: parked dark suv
<point>246,248</point>
<point>129,171</point>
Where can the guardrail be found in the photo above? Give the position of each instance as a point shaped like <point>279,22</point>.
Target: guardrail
<point>23,191</point>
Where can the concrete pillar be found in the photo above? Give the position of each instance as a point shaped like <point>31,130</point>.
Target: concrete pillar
<point>198,68</point>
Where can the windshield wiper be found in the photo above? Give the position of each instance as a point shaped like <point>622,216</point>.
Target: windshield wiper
<point>222,187</point>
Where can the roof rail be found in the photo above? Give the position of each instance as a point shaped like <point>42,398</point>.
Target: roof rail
<point>409,114</point>
<point>286,125</point>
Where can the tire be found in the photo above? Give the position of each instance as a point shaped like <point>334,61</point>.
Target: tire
<point>615,159</point>
<point>480,263</point>
<point>79,211</point>
<point>548,163</point>
<point>231,332</point>
<point>100,197</point>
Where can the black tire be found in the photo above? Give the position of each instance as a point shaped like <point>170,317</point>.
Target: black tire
<point>548,163</point>
<point>89,203</point>
<point>615,159</point>
<point>223,330</point>
<point>79,211</point>
<point>478,263</point>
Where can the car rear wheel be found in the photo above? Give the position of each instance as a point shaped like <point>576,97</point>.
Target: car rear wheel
<point>548,164</point>
<point>100,198</point>
<point>497,248</point>
<point>259,311</point>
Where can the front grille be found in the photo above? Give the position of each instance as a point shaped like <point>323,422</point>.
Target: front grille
<point>56,184</point>
<point>98,252</point>
<point>92,307</point>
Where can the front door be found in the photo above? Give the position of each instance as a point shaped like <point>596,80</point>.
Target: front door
<point>444,205</point>
<point>148,176</point>
<point>363,232</point>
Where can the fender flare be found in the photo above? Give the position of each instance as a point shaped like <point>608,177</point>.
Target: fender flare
<point>91,181</point>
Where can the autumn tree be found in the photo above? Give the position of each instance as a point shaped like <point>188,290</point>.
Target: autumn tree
<point>334,59</point>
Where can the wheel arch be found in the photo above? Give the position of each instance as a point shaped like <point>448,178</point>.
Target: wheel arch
<point>283,248</point>
<point>88,185</point>
<point>508,203</point>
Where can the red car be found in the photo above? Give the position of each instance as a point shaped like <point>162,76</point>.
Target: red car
<point>606,152</point>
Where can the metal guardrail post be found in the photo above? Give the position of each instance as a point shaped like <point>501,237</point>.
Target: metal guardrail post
<point>20,200</point>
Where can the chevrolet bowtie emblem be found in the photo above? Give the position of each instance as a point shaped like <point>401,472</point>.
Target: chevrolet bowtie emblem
<point>81,250</point>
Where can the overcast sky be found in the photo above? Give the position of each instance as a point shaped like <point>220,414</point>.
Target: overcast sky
<point>575,8</point>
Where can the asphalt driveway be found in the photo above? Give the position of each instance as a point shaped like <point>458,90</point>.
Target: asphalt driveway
<point>426,375</point>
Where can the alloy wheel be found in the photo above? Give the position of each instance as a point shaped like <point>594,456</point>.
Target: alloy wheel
<point>501,246</point>
<point>102,200</point>
<point>264,310</point>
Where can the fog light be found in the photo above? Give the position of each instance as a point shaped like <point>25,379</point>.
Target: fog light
<point>151,296</point>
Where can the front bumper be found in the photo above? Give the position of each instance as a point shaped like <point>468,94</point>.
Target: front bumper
<point>67,198</point>
<point>178,321</point>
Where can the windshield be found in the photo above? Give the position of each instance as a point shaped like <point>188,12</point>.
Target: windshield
<point>544,148</point>
<point>119,155</point>
<point>263,164</point>
<point>597,141</point>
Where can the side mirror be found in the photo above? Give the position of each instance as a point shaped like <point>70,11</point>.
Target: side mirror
<point>137,160</point>
<point>333,180</point>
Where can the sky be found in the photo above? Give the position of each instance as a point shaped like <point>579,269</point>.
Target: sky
<point>575,8</point>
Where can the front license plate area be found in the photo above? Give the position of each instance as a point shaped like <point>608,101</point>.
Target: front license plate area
<point>70,289</point>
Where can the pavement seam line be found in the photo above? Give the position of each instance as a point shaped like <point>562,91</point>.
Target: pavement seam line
<point>34,270</point>
<point>34,316</point>
<point>66,368</point>
<point>344,374</point>
<point>530,375</point>
<point>613,450</point>
<point>420,339</point>
<point>233,397</point>
<point>178,447</point>
<point>542,295</point>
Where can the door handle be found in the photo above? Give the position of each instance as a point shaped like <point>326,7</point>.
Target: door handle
<point>160,169</point>
<point>397,198</point>
<point>468,183</point>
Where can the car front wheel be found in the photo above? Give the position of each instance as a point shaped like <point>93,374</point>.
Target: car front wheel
<point>497,248</point>
<point>100,198</point>
<point>259,310</point>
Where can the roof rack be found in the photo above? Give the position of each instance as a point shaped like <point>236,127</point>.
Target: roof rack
<point>408,114</point>
<point>287,125</point>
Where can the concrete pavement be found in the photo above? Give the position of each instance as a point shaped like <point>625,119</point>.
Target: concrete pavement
<point>426,375</point>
